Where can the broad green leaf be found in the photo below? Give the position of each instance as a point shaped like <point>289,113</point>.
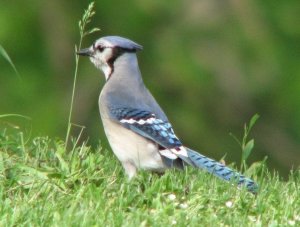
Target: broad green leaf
<point>253,120</point>
<point>63,163</point>
<point>247,150</point>
<point>33,171</point>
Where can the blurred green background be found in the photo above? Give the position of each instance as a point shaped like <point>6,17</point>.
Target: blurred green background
<point>210,64</point>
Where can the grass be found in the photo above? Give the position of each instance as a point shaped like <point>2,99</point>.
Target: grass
<point>82,24</point>
<point>5,55</point>
<point>41,185</point>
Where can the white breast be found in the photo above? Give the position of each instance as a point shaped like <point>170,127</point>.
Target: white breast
<point>133,148</point>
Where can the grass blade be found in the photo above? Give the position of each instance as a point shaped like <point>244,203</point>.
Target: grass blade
<point>86,18</point>
<point>6,56</point>
<point>14,115</point>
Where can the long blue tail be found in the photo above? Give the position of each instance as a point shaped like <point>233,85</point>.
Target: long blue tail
<point>221,171</point>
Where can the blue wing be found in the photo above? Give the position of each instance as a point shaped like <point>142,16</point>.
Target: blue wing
<point>146,124</point>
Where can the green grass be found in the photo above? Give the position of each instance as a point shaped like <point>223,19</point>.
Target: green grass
<point>42,185</point>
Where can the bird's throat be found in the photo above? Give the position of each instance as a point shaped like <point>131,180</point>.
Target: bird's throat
<point>107,70</point>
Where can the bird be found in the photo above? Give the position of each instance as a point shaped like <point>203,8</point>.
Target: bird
<point>138,131</point>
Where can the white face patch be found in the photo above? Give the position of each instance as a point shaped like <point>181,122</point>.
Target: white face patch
<point>99,59</point>
<point>106,50</point>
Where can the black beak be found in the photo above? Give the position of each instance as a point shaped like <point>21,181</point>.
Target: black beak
<point>85,52</point>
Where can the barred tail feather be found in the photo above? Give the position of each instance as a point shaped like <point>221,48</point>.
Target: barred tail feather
<point>221,171</point>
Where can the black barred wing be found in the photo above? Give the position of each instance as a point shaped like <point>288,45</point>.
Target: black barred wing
<point>221,170</point>
<point>146,124</point>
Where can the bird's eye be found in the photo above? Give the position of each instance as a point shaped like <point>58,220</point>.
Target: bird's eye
<point>100,48</point>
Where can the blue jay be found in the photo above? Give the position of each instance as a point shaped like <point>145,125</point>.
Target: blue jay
<point>136,127</point>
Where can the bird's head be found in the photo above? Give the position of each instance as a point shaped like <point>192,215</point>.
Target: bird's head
<point>104,52</point>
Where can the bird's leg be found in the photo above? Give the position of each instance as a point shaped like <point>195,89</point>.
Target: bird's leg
<point>130,169</point>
